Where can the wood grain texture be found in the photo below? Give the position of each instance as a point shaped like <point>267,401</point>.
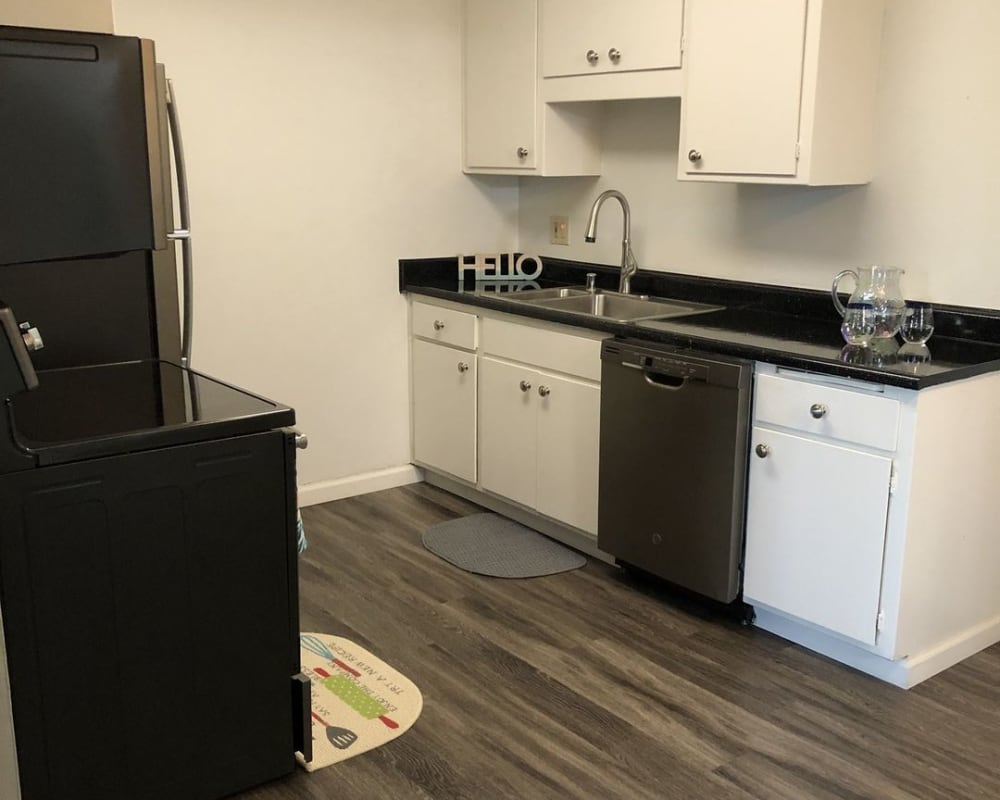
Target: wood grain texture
<point>588,684</point>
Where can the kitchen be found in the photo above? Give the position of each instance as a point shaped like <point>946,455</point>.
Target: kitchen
<point>363,171</point>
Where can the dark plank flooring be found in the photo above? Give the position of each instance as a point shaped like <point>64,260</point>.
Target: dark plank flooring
<point>588,685</point>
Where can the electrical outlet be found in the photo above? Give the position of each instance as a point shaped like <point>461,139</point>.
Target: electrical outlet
<point>559,230</point>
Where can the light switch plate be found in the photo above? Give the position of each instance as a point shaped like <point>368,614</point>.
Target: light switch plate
<point>559,230</point>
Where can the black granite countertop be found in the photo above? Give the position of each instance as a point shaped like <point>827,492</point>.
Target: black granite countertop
<point>789,327</point>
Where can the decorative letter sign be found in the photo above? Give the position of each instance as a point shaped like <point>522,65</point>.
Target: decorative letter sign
<point>500,267</point>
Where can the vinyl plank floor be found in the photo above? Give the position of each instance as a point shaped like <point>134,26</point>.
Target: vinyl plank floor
<point>589,684</point>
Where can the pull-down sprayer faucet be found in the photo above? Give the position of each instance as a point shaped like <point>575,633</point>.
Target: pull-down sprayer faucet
<point>629,265</point>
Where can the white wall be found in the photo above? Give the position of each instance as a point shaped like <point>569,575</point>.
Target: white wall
<point>323,141</point>
<point>933,208</point>
<point>79,15</point>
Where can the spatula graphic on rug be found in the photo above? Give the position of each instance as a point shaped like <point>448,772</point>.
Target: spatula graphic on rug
<point>341,738</point>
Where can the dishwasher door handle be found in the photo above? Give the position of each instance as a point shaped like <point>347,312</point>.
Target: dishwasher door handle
<point>662,380</point>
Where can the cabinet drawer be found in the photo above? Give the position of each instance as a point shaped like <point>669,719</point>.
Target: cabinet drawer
<point>444,325</point>
<point>560,352</point>
<point>864,419</point>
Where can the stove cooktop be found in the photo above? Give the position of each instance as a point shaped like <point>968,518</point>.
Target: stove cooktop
<point>84,412</point>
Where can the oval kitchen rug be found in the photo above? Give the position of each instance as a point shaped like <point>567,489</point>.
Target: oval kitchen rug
<point>489,544</point>
<point>358,701</point>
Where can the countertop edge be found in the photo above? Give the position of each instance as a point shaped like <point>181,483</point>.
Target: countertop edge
<point>752,352</point>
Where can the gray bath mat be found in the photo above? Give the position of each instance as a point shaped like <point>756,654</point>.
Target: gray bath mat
<point>489,544</point>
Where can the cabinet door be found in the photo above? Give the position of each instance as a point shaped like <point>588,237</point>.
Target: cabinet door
<point>500,67</point>
<point>444,409</point>
<point>816,516</point>
<point>569,416</point>
<point>743,85</point>
<point>507,430</point>
<point>646,33</point>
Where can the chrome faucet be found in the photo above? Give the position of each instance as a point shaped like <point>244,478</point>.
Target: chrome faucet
<point>629,265</point>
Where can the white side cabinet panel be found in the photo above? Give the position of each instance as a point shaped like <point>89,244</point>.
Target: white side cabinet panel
<point>816,520</point>
<point>744,83</point>
<point>500,84</point>
<point>507,430</point>
<point>645,33</point>
<point>568,446</point>
<point>444,408</point>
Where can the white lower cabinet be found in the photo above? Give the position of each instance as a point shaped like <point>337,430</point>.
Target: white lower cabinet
<point>538,441</point>
<point>444,408</point>
<point>818,492</point>
<point>816,520</point>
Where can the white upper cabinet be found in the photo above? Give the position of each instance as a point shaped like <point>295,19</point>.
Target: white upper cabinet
<point>780,91</point>
<point>604,50</point>
<point>582,37</point>
<point>508,128</point>
<point>500,77</point>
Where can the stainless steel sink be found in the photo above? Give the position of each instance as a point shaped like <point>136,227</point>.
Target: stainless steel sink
<point>540,295</point>
<point>624,308</point>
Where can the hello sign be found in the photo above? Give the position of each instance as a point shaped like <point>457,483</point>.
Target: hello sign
<point>500,267</point>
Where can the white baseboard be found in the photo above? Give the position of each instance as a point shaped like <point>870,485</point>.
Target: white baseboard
<point>326,491</point>
<point>905,672</point>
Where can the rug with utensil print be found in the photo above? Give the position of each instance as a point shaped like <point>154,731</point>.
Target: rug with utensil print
<point>358,701</point>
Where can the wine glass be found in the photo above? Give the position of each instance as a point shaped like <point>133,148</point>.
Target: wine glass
<point>859,323</point>
<point>918,322</point>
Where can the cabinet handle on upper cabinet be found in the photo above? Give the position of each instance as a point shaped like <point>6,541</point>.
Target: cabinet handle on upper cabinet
<point>522,152</point>
<point>615,55</point>
<point>525,386</point>
<point>463,367</point>
<point>543,391</point>
<point>694,156</point>
<point>438,324</point>
<point>593,57</point>
<point>762,451</point>
<point>818,410</point>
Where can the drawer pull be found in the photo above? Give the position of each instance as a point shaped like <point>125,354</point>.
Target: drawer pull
<point>525,386</point>
<point>762,451</point>
<point>438,324</point>
<point>593,57</point>
<point>463,367</point>
<point>544,391</point>
<point>818,410</point>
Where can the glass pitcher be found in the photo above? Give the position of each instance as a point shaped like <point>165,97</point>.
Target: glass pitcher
<point>878,286</point>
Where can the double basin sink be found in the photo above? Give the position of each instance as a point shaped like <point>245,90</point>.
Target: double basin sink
<point>610,306</point>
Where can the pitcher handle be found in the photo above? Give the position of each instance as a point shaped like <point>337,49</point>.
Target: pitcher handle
<point>836,284</point>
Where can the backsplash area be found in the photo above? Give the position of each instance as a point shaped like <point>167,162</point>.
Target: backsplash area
<point>929,210</point>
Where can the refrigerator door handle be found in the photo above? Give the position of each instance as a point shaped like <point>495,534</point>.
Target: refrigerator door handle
<point>183,234</point>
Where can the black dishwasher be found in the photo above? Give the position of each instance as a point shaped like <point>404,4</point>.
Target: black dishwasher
<point>674,439</point>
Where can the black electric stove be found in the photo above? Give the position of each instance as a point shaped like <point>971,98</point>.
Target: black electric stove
<point>87,412</point>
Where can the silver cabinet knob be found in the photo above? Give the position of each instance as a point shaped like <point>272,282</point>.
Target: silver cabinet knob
<point>818,410</point>
<point>463,367</point>
<point>438,324</point>
<point>593,57</point>
<point>615,55</point>
<point>543,391</point>
<point>522,152</point>
<point>694,156</point>
<point>762,451</point>
<point>301,441</point>
<point>525,386</point>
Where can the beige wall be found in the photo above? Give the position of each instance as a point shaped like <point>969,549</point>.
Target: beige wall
<point>81,15</point>
<point>323,141</point>
<point>933,208</point>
